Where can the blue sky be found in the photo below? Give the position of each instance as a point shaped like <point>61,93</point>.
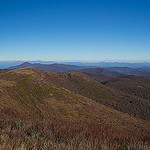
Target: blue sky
<point>75,30</point>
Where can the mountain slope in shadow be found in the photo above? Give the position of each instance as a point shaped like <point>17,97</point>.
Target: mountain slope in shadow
<point>101,74</point>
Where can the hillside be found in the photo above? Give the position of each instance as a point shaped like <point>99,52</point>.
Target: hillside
<point>132,85</point>
<point>3,70</point>
<point>29,90</point>
<point>82,84</point>
<point>38,106</point>
<point>132,71</point>
<point>101,74</point>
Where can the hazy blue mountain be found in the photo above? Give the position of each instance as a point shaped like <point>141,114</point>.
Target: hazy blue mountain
<point>111,64</point>
<point>6,64</point>
<point>49,67</point>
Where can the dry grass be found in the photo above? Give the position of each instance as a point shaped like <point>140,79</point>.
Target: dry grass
<point>45,134</point>
<point>36,112</point>
<point>126,96</point>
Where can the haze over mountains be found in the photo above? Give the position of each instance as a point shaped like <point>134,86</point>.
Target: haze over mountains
<point>49,67</point>
<point>6,64</point>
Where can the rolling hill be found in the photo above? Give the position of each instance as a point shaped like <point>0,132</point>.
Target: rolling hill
<point>132,71</point>
<point>82,84</point>
<point>32,99</point>
<point>133,85</point>
<point>4,70</point>
<point>74,83</point>
<point>101,74</point>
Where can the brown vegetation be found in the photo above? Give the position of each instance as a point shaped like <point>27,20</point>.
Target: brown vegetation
<point>20,132</point>
<point>41,110</point>
<point>82,84</point>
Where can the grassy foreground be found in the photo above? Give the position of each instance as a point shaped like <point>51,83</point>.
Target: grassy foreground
<point>43,134</point>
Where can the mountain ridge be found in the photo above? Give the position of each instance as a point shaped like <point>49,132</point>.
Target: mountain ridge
<point>84,85</point>
<point>27,93</point>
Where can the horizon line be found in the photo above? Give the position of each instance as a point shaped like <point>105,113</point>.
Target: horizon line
<point>82,61</point>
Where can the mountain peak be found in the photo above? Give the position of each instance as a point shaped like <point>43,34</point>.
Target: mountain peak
<point>26,64</point>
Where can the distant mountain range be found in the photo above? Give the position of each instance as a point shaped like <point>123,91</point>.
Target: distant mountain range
<point>6,64</point>
<point>50,67</point>
<point>110,64</point>
<point>99,74</point>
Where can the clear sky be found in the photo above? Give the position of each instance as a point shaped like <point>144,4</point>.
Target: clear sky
<point>75,30</point>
